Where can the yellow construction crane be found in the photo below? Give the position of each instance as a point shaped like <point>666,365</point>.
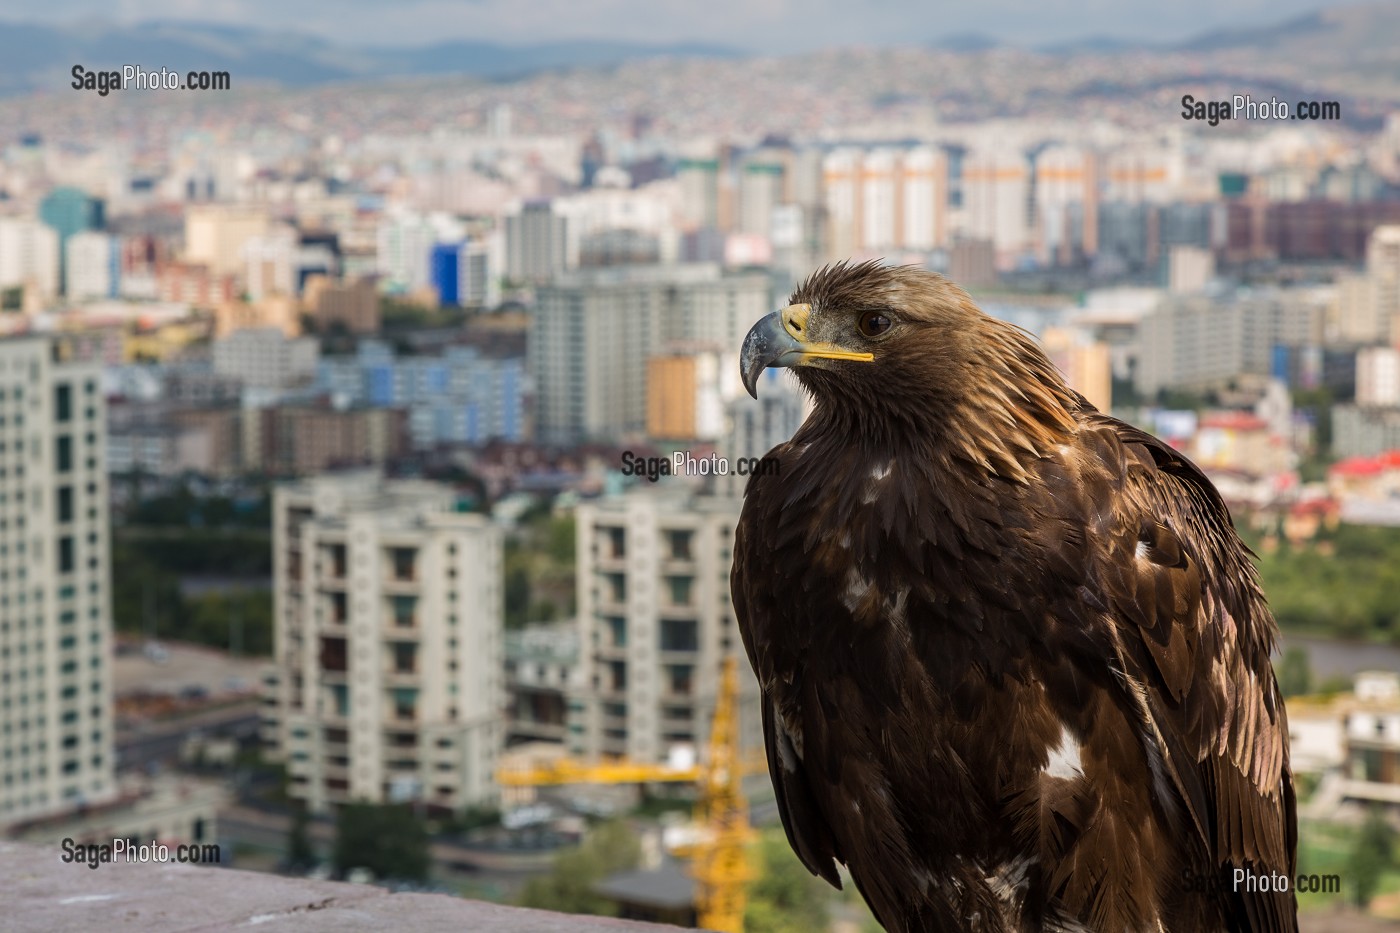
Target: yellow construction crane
<point>719,857</point>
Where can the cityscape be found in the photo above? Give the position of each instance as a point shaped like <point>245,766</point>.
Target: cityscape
<point>372,435</point>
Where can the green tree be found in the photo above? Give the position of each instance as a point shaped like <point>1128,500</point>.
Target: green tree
<point>1295,673</point>
<point>1371,856</point>
<point>785,897</point>
<point>610,848</point>
<point>389,840</point>
<point>301,854</point>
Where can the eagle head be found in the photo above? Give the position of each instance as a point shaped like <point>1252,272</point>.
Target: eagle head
<point>848,316</point>
<point>902,350</point>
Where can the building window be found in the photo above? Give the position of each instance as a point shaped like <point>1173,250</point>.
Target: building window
<point>340,697</point>
<point>617,587</point>
<point>617,542</point>
<point>618,676</point>
<point>680,544</point>
<point>679,635</point>
<point>65,503</point>
<point>679,588</point>
<point>403,609</point>
<point>63,402</point>
<point>63,454</point>
<point>617,629</point>
<point>679,679</point>
<point>405,704</point>
<point>65,554</point>
<point>403,560</point>
<point>405,657</point>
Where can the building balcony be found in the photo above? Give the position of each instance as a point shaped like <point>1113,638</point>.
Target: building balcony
<point>407,586</point>
<point>539,731</point>
<point>607,561</point>
<point>611,652</point>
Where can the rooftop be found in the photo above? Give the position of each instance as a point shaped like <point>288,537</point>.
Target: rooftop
<point>45,895</point>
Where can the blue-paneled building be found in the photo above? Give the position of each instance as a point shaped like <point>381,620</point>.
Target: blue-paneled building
<point>459,397</point>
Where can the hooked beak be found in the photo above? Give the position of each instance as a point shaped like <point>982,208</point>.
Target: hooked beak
<point>780,340</point>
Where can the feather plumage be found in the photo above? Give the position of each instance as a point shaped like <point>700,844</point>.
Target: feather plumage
<point>1015,659</point>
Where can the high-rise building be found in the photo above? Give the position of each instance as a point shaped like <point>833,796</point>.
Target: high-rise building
<point>996,197</point>
<point>461,273</point>
<point>271,262</point>
<point>216,236</point>
<point>1378,377</point>
<point>1064,195</point>
<point>685,395</point>
<point>405,244</point>
<point>92,266</point>
<point>537,243</point>
<point>760,191</point>
<point>461,396</point>
<point>699,184</point>
<point>265,358</point>
<point>55,605</point>
<point>355,305</point>
<point>70,211</point>
<point>594,330</point>
<point>1189,269</point>
<point>1383,269</point>
<point>655,622</point>
<point>388,648</point>
<point>28,256</point>
<point>1197,342</point>
<point>885,199</point>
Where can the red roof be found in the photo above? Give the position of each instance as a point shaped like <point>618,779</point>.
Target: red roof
<point>1367,466</point>
<point>1234,420</point>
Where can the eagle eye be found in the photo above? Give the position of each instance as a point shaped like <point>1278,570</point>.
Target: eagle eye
<point>873,323</point>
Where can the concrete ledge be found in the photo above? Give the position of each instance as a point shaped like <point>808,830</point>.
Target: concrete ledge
<point>40,894</point>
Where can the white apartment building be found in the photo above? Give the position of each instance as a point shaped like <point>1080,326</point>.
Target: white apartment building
<point>56,747</point>
<point>1198,342</point>
<point>536,243</point>
<point>216,235</point>
<point>265,358</point>
<point>92,268</point>
<point>387,679</point>
<point>1378,377</point>
<point>885,199</point>
<point>996,186</point>
<point>655,623</point>
<point>594,331</point>
<point>1064,188</point>
<point>404,246</point>
<point>28,255</point>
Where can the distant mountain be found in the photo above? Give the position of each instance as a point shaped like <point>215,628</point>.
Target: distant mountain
<point>965,42</point>
<point>1091,45</point>
<point>34,56</point>
<point>1262,37</point>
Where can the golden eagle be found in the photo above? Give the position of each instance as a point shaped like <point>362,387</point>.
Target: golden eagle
<point>1014,658</point>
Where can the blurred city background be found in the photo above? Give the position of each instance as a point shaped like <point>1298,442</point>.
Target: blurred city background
<point>316,541</point>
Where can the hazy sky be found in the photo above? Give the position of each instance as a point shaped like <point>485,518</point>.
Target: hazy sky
<point>762,25</point>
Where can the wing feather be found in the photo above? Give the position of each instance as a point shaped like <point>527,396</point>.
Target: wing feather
<point>1196,633</point>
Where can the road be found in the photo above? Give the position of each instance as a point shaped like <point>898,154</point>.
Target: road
<point>1331,658</point>
<point>160,742</point>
